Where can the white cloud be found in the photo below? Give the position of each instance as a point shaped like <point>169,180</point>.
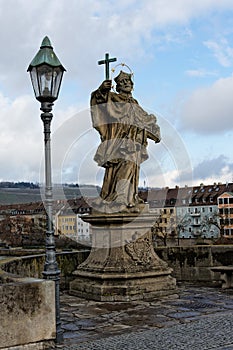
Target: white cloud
<point>81,32</point>
<point>199,73</point>
<point>209,110</point>
<point>225,176</point>
<point>222,51</point>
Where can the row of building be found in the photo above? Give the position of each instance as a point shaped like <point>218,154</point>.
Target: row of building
<point>183,212</point>
<point>67,221</point>
<point>191,212</point>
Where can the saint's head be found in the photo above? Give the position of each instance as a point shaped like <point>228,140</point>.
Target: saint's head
<point>124,83</point>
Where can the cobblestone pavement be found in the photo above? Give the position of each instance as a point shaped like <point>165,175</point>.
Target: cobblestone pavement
<point>195,318</point>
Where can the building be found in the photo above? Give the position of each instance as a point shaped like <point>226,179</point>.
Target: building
<point>69,223</point>
<point>225,208</point>
<point>204,211</point>
<point>189,212</point>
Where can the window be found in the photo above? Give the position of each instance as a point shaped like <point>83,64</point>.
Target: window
<point>210,209</point>
<point>227,232</point>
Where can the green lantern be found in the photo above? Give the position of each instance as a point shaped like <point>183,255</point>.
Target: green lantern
<point>46,73</point>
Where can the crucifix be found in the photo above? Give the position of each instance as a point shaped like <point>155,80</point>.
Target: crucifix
<point>106,62</point>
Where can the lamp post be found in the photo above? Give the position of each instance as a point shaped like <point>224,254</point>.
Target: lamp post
<point>46,73</point>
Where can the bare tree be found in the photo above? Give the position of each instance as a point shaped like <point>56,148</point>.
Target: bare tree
<point>181,223</point>
<point>216,219</point>
<point>158,231</point>
<point>167,225</point>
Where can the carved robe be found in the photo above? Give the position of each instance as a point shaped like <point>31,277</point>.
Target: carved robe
<point>124,128</point>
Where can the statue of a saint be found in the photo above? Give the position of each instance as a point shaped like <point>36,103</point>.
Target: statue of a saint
<point>124,128</point>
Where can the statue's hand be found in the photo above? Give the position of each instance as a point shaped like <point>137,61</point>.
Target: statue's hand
<point>105,86</point>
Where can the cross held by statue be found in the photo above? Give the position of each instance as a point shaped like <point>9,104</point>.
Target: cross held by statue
<point>107,63</point>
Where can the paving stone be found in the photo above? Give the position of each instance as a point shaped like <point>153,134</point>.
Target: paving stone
<point>70,327</point>
<point>184,314</point>
<point>204,314</point>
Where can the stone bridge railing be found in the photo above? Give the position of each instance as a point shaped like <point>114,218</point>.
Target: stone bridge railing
<point>33,265</point>
<point>190,264</point>
<point>25,295</point>
<point>193,264</point>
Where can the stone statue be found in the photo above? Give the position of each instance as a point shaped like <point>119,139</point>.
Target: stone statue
<point>124,128</point>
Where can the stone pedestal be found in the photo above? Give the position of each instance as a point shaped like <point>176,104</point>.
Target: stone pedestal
<point>122,264</point>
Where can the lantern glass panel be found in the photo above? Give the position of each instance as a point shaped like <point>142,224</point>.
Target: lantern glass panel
<point>57,78</point>
<point>45,82</point>
<point>34,79</point>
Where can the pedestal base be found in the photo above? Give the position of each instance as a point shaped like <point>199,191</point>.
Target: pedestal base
<point>122,265</point>
<point>123,289</point>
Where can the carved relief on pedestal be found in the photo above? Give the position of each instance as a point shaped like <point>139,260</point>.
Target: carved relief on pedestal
<point>140,249</point>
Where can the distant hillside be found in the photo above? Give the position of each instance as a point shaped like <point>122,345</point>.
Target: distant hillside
<point>27,195</point>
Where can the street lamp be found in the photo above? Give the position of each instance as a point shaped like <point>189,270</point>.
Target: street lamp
<point>46,73</point>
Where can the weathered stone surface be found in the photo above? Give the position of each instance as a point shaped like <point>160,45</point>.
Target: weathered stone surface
<point>176,258</point>
<point>123,289</point>
<point>194,264</point>
<point>27,312</point>
<point>122,264</point>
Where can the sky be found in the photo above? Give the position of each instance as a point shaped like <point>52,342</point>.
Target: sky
<point>181,54</point>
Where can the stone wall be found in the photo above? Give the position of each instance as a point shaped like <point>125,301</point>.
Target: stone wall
<point>27,305</point>
<point>27,313</point>
<point>192,264</point>
<point>33,265</point>
<point>27,302</point>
